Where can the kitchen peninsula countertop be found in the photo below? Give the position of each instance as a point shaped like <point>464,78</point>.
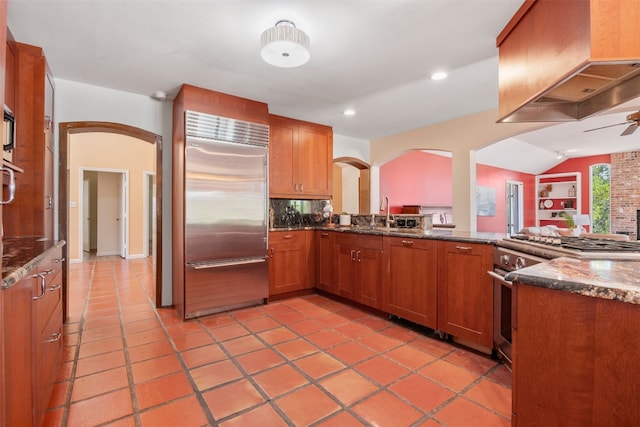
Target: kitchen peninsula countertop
<point>21,254</point>
<point>435,234</point>
<point>615,280</point>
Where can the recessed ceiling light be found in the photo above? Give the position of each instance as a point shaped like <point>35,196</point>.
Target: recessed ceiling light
<point>439,75</point>
<point>349,112</point>
<point>159,95</point>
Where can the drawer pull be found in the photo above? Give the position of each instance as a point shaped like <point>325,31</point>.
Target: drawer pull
<point>463,248</point>
<point>407,243</point>
<point>358,257</point>
<point>43,286</point>
<point>353,258</point>
<point>287,237</point>
<point>54,337</point>
<point>12,186</point>
<point>54,287</point>
<point>324,234</point>
<point>58,260</point>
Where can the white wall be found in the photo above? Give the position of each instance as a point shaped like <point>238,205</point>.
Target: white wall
<point>75,102</point>
<point>345,146</point>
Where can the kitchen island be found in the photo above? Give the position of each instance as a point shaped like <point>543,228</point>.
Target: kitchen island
<point>576,343</point>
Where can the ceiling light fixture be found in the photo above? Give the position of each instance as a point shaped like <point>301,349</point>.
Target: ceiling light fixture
<point>349,112</point>
<point>559,155</point>
<point>285,46</point>
<point>439,75</point>
<point>159,95</point>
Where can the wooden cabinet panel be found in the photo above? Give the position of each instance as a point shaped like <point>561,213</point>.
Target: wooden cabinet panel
<point>31,213</point>
<point>300,159</point>
<point>465,291</point>
<point>412,288</point>
<point>360,268</point>
<point>572,360</point>
<point>287,262</point>
<point>325,265</point>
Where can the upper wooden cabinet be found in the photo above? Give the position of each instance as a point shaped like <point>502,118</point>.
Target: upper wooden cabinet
<point>300,159</point>
<point>31,212</point>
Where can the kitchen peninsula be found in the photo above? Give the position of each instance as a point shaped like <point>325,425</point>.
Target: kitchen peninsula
<point>576,343</point>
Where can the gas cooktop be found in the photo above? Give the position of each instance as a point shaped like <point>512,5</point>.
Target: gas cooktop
<point>584,244</point>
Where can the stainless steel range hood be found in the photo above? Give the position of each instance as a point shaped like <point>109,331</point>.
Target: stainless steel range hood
<point>564,61</point>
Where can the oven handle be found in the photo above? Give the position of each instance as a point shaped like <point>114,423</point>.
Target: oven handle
<point>499,277</point>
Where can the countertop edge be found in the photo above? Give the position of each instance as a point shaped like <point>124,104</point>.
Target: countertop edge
<point>19,273</point>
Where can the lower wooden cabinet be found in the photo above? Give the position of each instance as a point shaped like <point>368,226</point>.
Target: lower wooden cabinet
<point>31,342</point>
<point>359,268</point>
<point>287,262</point>
<point>325,266</point>
<point>412,287</point>
<point>465,291</point>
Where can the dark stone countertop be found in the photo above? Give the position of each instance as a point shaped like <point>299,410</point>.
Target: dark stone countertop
<point>616,280</point>
<point>435,234</point>
<point>20,255</point>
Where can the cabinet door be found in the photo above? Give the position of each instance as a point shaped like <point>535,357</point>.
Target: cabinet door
<point>369,276</point>
<point>465,291</point>
<point>346,271</point>
<point>282,142</point>
<point>413,280</point>
<point>16,351</point>
<point>287,262</point>
<point>325,278</point>
<point>314,161</point>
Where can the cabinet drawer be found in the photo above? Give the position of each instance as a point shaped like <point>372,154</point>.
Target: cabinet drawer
<point>359,240</point>
<point>279,237</point>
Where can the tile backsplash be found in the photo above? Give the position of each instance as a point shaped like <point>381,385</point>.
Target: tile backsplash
<point>294,213</point>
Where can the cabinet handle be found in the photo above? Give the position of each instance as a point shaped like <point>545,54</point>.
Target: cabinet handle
<point>463,248</point>
<point>58,260</point>
<point>301,187</point>
<point>12,186</point>
<point>54,287</point>
<point>358,256</point>
<point>49,202</point>
<point>323,234</point>
<point>407,243</point>
<point>271,251</point>
<point>43,286</point>
<point>353,258</point>
<point>48,121</point>
<point>287,236</point>
<point>54,337</point>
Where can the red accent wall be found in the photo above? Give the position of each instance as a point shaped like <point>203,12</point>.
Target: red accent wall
<point>489,176</point>
<point>417,178</point>
<point>582,165</point>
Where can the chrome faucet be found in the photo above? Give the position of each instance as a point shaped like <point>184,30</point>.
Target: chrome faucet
<point>388,220</point>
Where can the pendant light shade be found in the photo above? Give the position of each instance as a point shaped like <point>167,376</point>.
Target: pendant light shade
<point>285,46</point>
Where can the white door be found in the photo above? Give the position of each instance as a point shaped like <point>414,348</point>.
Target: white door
<point>514,194</point>
<point>109,202</point>
<point>86,220</point>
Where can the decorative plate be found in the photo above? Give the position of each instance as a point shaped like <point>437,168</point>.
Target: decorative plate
<point>548,204</point>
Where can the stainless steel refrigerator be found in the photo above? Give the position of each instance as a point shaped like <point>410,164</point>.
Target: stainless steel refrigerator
<point>226,206</point>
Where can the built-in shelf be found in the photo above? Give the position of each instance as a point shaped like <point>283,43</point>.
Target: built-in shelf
<point>556,193</point>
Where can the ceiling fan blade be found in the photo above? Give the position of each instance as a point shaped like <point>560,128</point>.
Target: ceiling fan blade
<point>608,126</point>
<point>631,129</point>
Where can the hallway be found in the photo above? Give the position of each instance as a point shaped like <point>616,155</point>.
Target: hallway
<point>301,361</point>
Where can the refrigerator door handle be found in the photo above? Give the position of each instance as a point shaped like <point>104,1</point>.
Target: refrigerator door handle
<point>215,264</point>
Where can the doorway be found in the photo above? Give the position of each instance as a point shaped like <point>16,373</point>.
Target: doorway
<point>70,128</point>
<point>352,185</point>
<point>515,207</point>
<point>105,221</point>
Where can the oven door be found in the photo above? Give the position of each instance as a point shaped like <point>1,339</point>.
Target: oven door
<point>504,312</point>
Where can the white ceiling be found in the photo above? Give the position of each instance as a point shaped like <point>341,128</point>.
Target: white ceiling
<point>374,56</point>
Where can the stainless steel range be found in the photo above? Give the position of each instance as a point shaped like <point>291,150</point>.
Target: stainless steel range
<point>519,251</point>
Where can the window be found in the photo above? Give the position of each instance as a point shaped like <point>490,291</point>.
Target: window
<point>601,198</point>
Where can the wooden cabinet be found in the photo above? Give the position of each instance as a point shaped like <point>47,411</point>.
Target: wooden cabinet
<point>31,213</point>
<point>31,342</point>
<point>557,194</point>
<point>359,268</point>
<point>465,291</point>
<point>287,262</point>
<point>412,288</point>
<point>325,265</point>
<point>300,159</point>
<point>575,360</point>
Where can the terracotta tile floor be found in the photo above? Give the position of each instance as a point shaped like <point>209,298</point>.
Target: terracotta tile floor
<point>297,362</point>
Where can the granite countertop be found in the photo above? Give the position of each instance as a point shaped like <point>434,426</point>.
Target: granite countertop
<point>20,255</point>
<point>616,280</point>
<point>435,234</point>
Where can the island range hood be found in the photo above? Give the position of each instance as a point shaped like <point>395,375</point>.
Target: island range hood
<point>567,60</point>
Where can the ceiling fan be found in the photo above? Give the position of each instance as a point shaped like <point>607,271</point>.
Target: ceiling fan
<point>632,121</point>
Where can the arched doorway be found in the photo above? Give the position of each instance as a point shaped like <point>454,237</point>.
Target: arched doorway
<point>363,184</point>
<point>70,128</point>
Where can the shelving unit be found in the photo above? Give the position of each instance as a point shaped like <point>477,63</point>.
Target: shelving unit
<point>556,193</point>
